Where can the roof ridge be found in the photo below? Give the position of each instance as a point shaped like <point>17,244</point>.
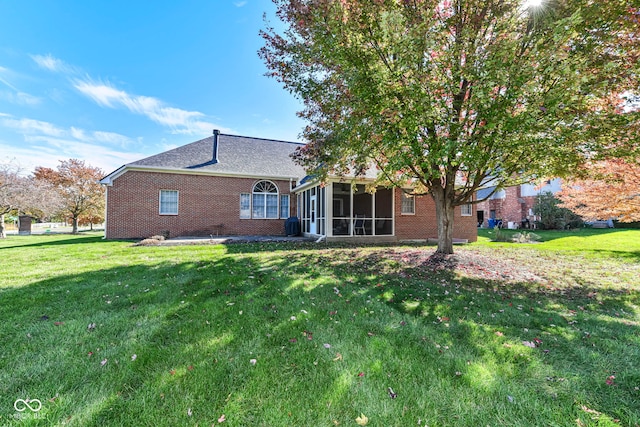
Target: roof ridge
<point>263,139</point>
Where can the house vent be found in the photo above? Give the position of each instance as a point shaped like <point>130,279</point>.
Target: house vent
<point>216,132</point>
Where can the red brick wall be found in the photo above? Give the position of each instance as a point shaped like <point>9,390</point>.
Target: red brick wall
<point>423,224</point>
<point>203,203</point>
<point>512,208</point>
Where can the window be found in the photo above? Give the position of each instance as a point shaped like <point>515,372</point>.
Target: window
<point>408,203</point>
<point>265,200</point>
<point>466,210</point>
<point>284,206</point>
<point>245,205</point>
<point>168,202</point>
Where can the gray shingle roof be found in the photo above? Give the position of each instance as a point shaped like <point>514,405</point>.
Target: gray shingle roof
<point>237,155</point>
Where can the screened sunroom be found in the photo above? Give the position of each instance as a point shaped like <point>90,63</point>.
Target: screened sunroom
<point>343,210</point>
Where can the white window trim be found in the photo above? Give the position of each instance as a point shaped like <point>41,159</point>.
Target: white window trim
<point>240,206</point>
<point>160,203</point>
<point>402,193</point>
<point>462,209</point>
<point>277,193</point>
<point>280,196</point>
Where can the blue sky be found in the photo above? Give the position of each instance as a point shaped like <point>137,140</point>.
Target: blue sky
<point>110,82</point>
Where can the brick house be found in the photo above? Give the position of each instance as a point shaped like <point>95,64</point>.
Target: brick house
<point>512,205</point>
<point>235,185</point>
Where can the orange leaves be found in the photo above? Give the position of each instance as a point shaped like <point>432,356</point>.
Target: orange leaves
<point>611,189</point>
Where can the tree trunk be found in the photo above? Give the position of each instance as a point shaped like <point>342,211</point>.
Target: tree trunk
<point>75,225</point>
<point>444,217</point>
<point>3,234</point>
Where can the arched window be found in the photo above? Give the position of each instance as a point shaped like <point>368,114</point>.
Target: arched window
<point>264,200</point>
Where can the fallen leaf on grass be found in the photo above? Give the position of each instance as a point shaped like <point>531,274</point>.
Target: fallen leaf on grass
<point>326,345</point>
<point>58,323</point>
<point>91,327</point>
<point>172,372</point>
<point>338,357</point>
<point>528,344</point>
<point>362,420</point>
<point>610,380</point>
<point>104,362</point>
<point>391,393</point>
<point>189,412</point>
<point>253,361</point>
<point>590,411</point>
<point>361,374</point>
<point>222,419</point>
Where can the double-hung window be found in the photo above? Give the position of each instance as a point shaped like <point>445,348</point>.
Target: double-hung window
<point>466,210</point>
<point>168,202</point>
<point>284,206</point>
<point>245,205</point>
<point>408,203</point>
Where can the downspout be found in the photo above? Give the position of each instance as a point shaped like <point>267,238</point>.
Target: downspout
<point>106,209</point>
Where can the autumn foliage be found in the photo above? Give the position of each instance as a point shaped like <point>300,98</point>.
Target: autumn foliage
<point>449,96</point>
<point>79,189</point>
<point>609,189</point>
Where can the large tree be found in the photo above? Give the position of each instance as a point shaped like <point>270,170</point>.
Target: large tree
<point>453,95</point>
<point>607,189</point>
<point>12,186</point>
<point>77,185</point>
<point>20,194</point>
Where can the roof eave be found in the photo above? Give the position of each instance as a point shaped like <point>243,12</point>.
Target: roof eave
<point>108,180</point>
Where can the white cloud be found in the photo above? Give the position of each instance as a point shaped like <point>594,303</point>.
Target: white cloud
<point>178,120</point>
<point>30,126</point>
<point>20,98</point>
<point>48,143</point>
<point>47,152</point>
<point>239,3</point>
<point>78,133</point>
<point>104,157</point>
<point>16,96</point>
<point>50,63</point>
<point>7,83</point>
<point>112,138</point>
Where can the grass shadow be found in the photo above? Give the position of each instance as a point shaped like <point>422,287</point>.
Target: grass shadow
<point>274,334</point>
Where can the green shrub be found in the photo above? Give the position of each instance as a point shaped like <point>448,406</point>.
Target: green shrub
<point>552,216</point>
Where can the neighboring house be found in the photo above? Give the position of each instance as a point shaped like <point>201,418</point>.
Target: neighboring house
<point>512,205</point>
<point>234,185</point>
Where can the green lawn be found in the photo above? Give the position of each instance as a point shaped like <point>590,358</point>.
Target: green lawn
<point>109,334</point>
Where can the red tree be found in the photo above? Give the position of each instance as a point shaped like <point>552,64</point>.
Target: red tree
<point>609,189</point>
<point>78,186</point>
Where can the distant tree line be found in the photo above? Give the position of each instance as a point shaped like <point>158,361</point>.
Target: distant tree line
<point>70,192</point>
